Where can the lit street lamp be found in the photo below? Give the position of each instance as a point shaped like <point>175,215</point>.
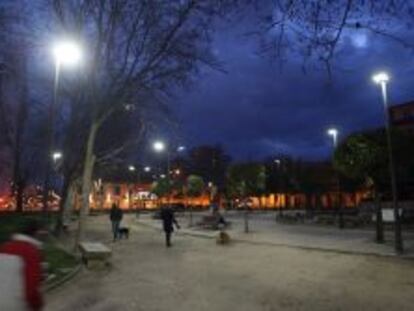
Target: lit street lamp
<point>333,132</point>
<point>278,162</point>
<point>65,53</point>
<point>57,155</point>
<point>382,78</point>
<point>160,146</point>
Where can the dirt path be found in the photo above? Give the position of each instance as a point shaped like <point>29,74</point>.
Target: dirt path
<point>195,274</point>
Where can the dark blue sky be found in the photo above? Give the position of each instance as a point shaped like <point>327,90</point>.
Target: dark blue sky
<point>256,109</point>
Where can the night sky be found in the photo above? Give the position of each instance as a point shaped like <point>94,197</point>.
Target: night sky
<point>256,109</point>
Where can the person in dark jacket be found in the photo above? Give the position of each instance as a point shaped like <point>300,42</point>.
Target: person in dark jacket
<point>168,222</point>
<point>21,270</point>
<point>116,215</point>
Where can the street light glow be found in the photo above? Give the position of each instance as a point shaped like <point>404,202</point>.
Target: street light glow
<point>181,148</point>
<point>333,132</point>
<point>67,53</point>
<point>131,168</point>
<point>380,77</point>
<point>56,155</point>
<point>159,146</point>
<point>147,169</point>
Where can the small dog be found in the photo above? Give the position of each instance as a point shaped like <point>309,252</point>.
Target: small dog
<point>223,238</point>
<point>123,233</point>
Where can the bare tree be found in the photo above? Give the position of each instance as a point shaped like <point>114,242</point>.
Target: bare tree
<point>16,103</point>
<point>133,48</point>
<point>313,30</point>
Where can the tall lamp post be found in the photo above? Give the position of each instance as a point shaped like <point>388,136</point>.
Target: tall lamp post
<point>132,169</point>
<point>382,78</point>
<point>279,181</point>
<point>160,146</point>
<point>65,53</point>
<point>333,132</point>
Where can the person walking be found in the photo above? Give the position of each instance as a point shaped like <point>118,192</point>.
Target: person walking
<point>168,222</point>
<point>115,216</point>
<point>21,270</point>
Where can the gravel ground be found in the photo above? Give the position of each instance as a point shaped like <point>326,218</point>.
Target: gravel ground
<point>196,274</point>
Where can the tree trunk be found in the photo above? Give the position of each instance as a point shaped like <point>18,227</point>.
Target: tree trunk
<point>18,179</point>
<point>379,226</point>
<point>246,219</point>
<point>20,185</point>
<point>69,203</point>
<point>191,216</point>
<point>86,181</point>
<point>280,209</point>
<point>64,204</point>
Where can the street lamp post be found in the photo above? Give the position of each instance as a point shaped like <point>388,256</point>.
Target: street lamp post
<point>279,179</point>
<point>66,53</point>
<point>382,79</point>
<point>333,132</point>
<point>132,169</point>
<point>160,146</point>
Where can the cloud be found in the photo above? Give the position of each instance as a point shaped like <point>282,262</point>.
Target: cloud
<point>255,109</point>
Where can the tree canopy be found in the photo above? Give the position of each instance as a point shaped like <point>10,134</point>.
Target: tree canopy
<point>195,185</point>
<point>246,179</point>
<point>365,156</point>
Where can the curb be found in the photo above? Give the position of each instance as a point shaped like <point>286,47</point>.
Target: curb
<point>326,250</point>
<point>308,248</point>
<point>53,285</point>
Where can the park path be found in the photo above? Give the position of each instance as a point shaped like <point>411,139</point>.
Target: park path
<point>264,230</point>
<point>196,274</point>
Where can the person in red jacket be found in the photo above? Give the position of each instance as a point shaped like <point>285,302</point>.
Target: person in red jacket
<point>20,271</point>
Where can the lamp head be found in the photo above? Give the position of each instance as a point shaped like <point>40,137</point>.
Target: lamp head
<point>56,155</point>
<point>67,53</point>
<point>332,132</point>
<point>131,168</point>
<point>159,146</point>
<point>380,77</point>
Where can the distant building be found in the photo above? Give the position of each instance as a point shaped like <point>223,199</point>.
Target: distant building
<point>402,116</point>
<point>130,196</point>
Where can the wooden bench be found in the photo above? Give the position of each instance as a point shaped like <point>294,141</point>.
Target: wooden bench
<point>211,222</point>
<point>94,253</point>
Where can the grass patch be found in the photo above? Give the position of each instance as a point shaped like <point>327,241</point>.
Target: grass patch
<point>59,262</point>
